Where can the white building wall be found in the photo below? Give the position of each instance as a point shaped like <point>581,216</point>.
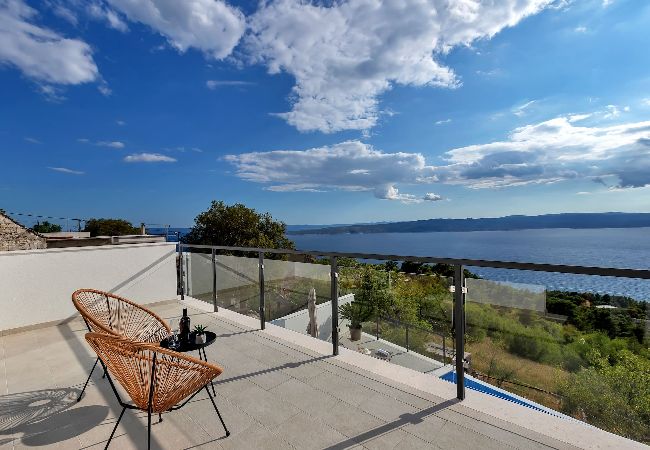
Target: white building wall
<point>36,285</point>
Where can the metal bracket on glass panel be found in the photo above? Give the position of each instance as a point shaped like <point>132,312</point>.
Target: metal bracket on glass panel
<point>453,289</point>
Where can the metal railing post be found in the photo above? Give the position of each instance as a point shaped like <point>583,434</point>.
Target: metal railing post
<point>407,337</point>
<point>262,295</point>
<point>444,351</point>
<point>334,298</point>
<point>459,329</point>
<point>377,328</point>
<point>180,270</point>
<point>214,280</point>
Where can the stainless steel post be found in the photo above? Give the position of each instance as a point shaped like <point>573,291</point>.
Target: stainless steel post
<point>214,280</point>
<point>262,296</point>
<point>459,329</point>
<point>334,297</point>
<point>180,270</point>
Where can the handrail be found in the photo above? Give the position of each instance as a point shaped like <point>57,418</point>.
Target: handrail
<point>539,267</point>
<point>460,288</point>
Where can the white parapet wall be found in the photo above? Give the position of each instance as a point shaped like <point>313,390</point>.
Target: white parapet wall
<point>36,285</point>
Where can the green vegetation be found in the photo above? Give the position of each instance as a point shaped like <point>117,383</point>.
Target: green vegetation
<point>46,227</point>
<point>592,363</point>
<point>237,226</point>
<point>110,227</point>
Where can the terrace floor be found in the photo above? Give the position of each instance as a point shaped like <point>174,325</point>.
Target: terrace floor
<point>274,394</point>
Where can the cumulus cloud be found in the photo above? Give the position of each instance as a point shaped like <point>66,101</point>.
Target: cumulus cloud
<point>345,55</point>
<point>40,53</point>
<point>552,151</point>
<point>350,166</point>
<point>148,158</point>
<point>442,122</point>
<point>555,150</point>
<point>66,170</point>
<point>212,26</point>
<point>431,197</point>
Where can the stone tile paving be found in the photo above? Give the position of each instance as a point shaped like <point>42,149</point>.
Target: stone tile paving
<point>273,394</point>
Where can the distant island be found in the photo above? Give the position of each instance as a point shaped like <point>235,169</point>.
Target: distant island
<point>518,222</point>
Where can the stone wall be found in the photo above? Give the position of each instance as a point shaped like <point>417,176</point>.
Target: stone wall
<point>14,236</point>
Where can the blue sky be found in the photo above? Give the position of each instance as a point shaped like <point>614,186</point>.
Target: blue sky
<point>345,112</point>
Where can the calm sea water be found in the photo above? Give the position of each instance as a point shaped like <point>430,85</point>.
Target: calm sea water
<point>624,248</point>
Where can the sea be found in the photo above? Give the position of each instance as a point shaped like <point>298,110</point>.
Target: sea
<point>604,247</point>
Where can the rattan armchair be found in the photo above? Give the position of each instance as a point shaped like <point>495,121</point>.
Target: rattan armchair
<point>108,313</point>
<point>156,379</point>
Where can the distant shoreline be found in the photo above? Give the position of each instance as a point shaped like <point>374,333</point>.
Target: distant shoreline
<point>574,221</point>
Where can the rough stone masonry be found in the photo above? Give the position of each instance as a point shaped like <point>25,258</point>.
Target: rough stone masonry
<point>14,236</point>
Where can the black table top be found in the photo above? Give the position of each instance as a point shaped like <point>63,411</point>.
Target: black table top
<point>210,337</point>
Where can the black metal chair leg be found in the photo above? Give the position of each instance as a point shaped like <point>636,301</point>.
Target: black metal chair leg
<point>204,357</point>
<point>114,428</point>
<point>159,417</point>
<point>217,410</point>
<point>87,380</point>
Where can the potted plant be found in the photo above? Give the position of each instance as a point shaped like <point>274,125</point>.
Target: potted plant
<point>356,313</point>
<point>199,337</point>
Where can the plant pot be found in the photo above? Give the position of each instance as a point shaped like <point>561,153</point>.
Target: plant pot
<point>199,339</point>
<point>355,334</point>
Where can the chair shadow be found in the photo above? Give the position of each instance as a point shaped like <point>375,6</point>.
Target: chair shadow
<point>44,418</point>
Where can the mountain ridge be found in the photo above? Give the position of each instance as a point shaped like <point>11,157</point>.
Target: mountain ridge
<point>506,223</point>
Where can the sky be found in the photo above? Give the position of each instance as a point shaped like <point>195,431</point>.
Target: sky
<point>324,112</point>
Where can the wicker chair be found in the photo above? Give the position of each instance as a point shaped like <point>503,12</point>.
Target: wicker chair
<point>108,313</point>
<point>156,379</point>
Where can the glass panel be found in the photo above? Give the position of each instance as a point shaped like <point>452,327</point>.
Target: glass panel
<point>237,281</point>
<point>289,288</point>
<point>405,317</point>
<point>580,354</point>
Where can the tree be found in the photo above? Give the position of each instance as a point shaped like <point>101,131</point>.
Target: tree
<point>46,227</point>
<point>109,227</point>
<point>237,226</point>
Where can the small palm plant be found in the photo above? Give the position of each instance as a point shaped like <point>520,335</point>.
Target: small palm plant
<point>200,334</point>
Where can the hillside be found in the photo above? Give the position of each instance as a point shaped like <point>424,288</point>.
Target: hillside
<point>565,220</point>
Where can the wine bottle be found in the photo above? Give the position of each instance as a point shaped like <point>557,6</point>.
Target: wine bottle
<point>184,327</point>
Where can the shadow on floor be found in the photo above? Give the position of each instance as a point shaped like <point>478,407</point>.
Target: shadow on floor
<point>43,417</point>
<point>405,419</point>
<point>291,365</point>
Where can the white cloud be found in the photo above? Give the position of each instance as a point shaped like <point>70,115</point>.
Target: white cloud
<point>62,11</point>
<point>32,140</point>
<point>211,26</point>
<point>120,122</point>
<point>555,150</point>
<point>40,53</point>
<point>148,158</point>
<point>580,29</point>
<point>66,170</point>
<point>111,144</point>
<point>99,11</point>
<point>431,197</point>
<point>645,101</point>
<point>578,117</point>
<point>344,56</point>
<point>213,84</point>
<point>613,111</point>
<point>350,166</point>
<point>442,122</point>
<point>521,110</point>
